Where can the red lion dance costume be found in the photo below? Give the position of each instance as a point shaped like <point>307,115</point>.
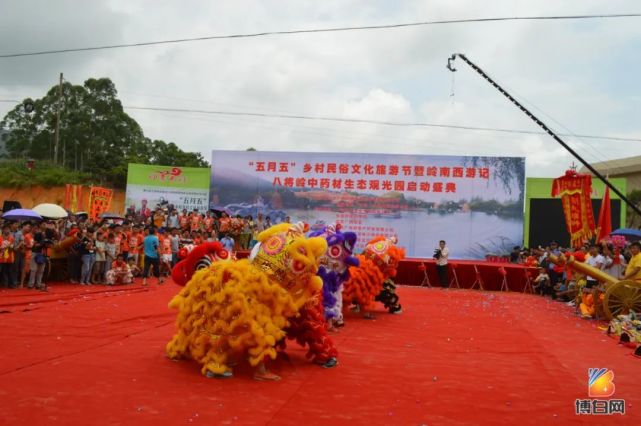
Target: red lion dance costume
<point>377,264</point>
<point>230,311</point>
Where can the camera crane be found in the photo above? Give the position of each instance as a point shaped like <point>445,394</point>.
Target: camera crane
<point>541,124</point>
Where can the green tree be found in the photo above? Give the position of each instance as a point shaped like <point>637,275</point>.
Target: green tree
<point>97,136</point>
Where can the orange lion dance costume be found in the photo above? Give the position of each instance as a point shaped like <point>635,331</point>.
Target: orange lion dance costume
<point>230,311</point>
<point>377,264</point>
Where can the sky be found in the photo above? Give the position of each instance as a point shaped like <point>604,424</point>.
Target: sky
<point>580,77</point>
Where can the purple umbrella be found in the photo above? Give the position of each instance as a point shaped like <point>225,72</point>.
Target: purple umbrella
<point>21,214</point>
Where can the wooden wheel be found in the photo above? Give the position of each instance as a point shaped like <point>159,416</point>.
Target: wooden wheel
<point>621,298</point>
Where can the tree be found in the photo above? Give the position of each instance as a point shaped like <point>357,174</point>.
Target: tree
<point>506,169</point>
<point>96,135</point>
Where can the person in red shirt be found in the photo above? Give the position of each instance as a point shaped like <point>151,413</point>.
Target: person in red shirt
<point>125,234</point>
<point>165,253</point>
<point>208,223</point>
<point>135,245</point>
<point>120,273</point>
<point>195,220</point>
<point>225,223</point>
<point>183,220</point>
<point>6,257</point>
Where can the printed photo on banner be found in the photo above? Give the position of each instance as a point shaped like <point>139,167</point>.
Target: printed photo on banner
<point>475,203</point>
<point>149,187</point>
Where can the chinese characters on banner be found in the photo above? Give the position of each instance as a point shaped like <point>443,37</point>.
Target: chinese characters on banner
<point>99,201</point>
<point>372,177</point>
<point>575,191</point>
<point>472,202</point>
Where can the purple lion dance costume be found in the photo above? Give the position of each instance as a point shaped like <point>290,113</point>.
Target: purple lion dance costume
<point>334,270</point>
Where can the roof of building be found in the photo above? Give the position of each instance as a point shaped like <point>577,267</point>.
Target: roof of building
<point>617,167</point>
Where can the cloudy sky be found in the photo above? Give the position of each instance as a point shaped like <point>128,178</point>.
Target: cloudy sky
<point>581,77</point>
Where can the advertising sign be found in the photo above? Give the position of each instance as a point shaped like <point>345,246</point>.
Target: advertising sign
<point>150,186</point>
<point>474,203</point>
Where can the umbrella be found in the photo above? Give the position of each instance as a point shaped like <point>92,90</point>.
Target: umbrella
<point>21,214</point>
<point>628,233</point>
<point>77,214</point>
<point>50,211</point>
<point>111,216</point>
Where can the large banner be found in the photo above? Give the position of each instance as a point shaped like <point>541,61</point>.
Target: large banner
<point>151,186</point>
<point>474,203</point>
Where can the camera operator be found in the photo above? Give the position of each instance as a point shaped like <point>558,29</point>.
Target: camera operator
<point>441,254</point>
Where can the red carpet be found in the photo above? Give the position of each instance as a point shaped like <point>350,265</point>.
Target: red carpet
<point>94,356</point>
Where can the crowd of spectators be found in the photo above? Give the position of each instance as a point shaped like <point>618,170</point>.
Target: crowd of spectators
<point>116,250</point>
<point>563,283</point>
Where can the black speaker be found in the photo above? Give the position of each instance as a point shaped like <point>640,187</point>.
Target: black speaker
<point>10,205</point>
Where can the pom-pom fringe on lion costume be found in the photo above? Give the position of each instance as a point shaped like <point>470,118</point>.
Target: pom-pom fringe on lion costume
<point>229,311</point>
<point>378,263</point>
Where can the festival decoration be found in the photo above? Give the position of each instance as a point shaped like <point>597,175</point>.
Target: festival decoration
<point>575,190</point>
<point>230,311</point>
<point>377,263</point>
<point>99,201</point>
<point>73,198</point>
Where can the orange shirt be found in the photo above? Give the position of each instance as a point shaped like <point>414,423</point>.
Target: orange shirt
<point>195,221</point>
<point>159,220</point>
<point>28,242</point>
<point>6,249</point>
<point>165,245</point>
<point>225,224</point>
<point>183,221</point>
<point>124,242</point>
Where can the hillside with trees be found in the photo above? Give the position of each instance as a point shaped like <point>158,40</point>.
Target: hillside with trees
<point>97,139</point>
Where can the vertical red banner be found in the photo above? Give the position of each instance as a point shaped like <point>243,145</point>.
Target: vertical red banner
<point>575,191</point>
<point>99,201</point>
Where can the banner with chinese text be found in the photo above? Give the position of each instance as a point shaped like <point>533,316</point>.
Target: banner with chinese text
<point>474,203</point>
<point>150,186</point>
<point>99,201</point>
<point>575,191</point>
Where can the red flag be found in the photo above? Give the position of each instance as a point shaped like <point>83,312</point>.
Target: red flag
<point>605,217</point>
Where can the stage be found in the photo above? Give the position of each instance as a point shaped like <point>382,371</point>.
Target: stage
<point>95,355</point>
<point>411,271</point>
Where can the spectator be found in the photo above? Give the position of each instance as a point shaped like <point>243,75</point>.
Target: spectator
<point>97,276</point>
<point>119,273</point>
<point>87,256</point>
<point>542,282</point>
<point>227,242</point>
<point>175,246</point>
<point>152,261</point>
<point>38,259</point>
<point>633,271</point>
<point>111,251</point>
<point>6,257</point>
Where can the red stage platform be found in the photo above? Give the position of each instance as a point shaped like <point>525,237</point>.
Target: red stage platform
<point>411,271</point>
<point>95,355</point>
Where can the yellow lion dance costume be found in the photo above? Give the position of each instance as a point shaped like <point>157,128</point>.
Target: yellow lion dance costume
<point>238,310</point>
